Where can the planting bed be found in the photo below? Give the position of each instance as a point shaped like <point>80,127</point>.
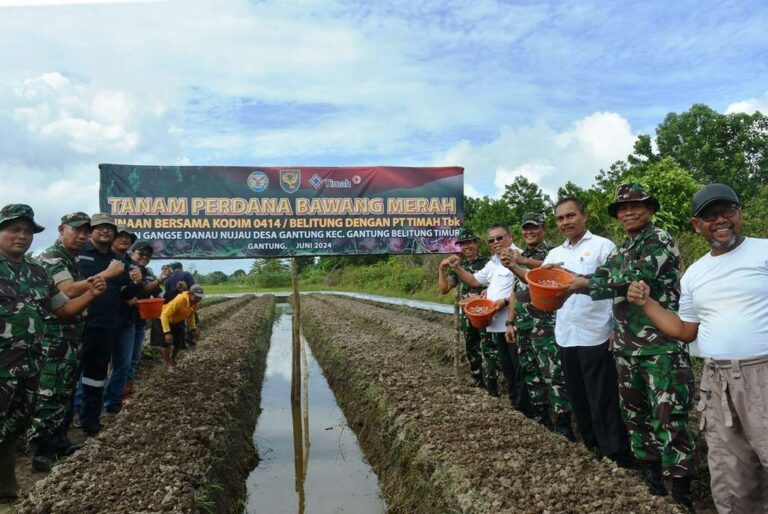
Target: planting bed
<point>439,445</point>
<point>185,445</point>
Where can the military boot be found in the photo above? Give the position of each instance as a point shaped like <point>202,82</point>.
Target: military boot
<point>9,487</point>
<point>44,457</point>
<point>652,476</point>
<point>541,415</point>
<point>492,385</point>
<point>477,381</point>
<point>563,426</point>
<point>64,447</point>
<point>681,492</point>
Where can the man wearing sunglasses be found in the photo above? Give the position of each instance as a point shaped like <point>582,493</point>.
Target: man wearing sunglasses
<point>724,306</point>
<point>500,282</point>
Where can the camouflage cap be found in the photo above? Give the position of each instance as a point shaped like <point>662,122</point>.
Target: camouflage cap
<point>76,219</point>
<point>122,229</point>
<point>466,235</point>
<point>632,192</point>
<point>533,218</point>
<point>14,211</point>
<point>197,290</point>
<point>103,219</point>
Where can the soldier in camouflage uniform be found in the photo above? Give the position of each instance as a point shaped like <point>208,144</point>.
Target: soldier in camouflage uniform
<point>61,347</point>
<point>534,331</point>
<point>28,295</point>
<point>479,347</point>
<point>655,374</point>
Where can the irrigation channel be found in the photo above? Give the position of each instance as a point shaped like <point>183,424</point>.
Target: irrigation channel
<point>310,460</point>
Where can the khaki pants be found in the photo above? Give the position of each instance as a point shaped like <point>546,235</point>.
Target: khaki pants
<point>734,398</point>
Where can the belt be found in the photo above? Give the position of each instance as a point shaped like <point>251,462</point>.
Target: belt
<point>718,367</point>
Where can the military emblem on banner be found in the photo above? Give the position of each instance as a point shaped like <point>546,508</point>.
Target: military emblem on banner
<point>258,181</point>
<point>290,180</point>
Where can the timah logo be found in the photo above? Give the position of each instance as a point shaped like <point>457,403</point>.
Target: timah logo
<point>319,182</point>
<point>290,180</point>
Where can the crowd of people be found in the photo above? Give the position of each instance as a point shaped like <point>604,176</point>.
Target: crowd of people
<point>614,354</point>
<point>71,337</point>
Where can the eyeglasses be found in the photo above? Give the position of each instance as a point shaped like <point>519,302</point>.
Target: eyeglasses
<point>496,239</point>
<point>102,228</point>
<point>144,255</point>
<point>726,212</point>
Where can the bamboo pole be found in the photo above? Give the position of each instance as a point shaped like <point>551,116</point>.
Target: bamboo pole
<point>457,325</point>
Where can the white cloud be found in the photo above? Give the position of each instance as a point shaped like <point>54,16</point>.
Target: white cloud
<point>749,106</point>
<point>38,3</point>
<point>542,154</point>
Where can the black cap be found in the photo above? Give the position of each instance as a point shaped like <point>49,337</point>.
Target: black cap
<point>712,193</point>
<point>141,245</point>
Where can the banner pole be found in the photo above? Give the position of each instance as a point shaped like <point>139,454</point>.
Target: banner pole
<point>457,325</point>
<point>296,331</point>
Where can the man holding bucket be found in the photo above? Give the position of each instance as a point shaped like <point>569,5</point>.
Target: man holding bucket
<point>534,331</point>
<point>478,343</point>
<point>582,330</point>
<point>655,374</point>
<point>500,282</point>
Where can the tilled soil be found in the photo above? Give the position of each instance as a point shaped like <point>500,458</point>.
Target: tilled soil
<point>183,446</point>
<point>440,445</point>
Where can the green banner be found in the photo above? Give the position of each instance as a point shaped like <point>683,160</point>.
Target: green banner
<point>210,212</point>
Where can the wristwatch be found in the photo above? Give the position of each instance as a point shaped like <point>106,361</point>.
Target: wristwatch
<point>510,323</point>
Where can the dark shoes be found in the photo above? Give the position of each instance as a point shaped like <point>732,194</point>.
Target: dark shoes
<point>563,426</point>
<point>477,381</point>
<point>43,459</point>
<point>651,472</point>
<point>91,428</point>
<point>681,492</point>
<point>493,387</point>
<point>9,487</point>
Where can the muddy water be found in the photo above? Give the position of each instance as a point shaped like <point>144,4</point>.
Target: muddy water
<point>310,458</point>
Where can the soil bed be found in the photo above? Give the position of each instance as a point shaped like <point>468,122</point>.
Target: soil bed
<point>439,445</point>
<point>185,444</point>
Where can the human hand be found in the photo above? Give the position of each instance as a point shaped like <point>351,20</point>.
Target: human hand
<point>445,263</point>
<point>135,275</point>
<point>196,335</point>
<point>638,293</point>
<point>500,304</point>
<point>168,338</point>
<point>509,334</point>
<point>114,269</point>
<point>506,256</point>
<point>96,285</point>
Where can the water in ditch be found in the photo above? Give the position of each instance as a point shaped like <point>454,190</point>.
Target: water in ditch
<point>310,459</point>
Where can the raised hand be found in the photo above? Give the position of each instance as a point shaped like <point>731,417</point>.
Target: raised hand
<point>114,269</point>
<point>96,285</point>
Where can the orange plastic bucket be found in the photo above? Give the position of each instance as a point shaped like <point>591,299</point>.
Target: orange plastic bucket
<point>150,308</point>
<point>480,312</point>
<point>546,286</point>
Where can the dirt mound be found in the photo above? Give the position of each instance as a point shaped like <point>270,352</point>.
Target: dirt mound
<point>439,445</point>
<point>183,445</point>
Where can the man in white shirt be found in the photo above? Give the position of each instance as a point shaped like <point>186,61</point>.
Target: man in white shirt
<point>500,282</point>
<point>724,303</point>
<point>582,330</point>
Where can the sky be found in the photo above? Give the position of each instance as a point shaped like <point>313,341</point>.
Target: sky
<point>553,91</point>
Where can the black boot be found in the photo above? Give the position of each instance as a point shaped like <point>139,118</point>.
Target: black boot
<point>563,426</point>
<point>44,457</point>
<point>541,415</point>
<point>9,487</point>
<point>492,385</point>
<point>477,381</point>
<point>681,492</point>
<point>64,447</point>
<point>652,476</point>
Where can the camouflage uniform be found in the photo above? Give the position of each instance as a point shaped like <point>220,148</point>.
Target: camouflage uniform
<point>539,357</point>
<point>27,296</point>
<point>62,342</point>
<point>655,374</point>
<point>478,344</point>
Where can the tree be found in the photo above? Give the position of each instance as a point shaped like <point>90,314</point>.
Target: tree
<point>714,147</point>
<point>524,196</point>
<point>237,274</point>
<point>272,265</point>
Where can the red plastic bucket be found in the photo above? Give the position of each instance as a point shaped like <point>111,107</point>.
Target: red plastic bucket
<point>546,286</point>
<point>150,308</point>
<point>480,312</point>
